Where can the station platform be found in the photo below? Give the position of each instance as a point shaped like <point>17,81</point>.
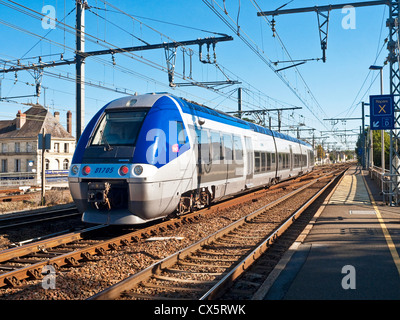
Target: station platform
<point>349,251</point>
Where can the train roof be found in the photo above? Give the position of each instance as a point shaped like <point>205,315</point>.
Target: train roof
<point>223,117</point>
<point>147,100</point>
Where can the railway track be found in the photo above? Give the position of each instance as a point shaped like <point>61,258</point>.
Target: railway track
<point>207,268</point>
<point>26,262</point>
<point>13,220</point>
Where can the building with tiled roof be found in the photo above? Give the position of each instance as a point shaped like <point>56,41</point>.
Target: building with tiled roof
<point>19,154</point>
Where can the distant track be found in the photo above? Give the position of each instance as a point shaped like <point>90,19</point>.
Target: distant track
<point>13,220</point>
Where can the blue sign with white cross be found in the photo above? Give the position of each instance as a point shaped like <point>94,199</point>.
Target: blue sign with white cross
<point>381,112</point>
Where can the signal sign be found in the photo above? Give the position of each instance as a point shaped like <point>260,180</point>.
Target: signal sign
<point>381,112</point>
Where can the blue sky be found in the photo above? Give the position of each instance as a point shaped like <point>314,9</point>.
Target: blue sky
<point>327,90</point>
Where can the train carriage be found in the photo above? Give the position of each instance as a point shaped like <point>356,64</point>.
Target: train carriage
<point>145,157</point>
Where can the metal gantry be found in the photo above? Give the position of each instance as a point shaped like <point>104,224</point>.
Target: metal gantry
<point>81,55</point>
<point>394,74</point>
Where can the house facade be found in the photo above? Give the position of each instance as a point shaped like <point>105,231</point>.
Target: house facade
<point>19,153</point>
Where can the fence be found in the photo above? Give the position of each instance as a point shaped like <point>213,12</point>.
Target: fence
<point>386,183</point>
<point>14,179</point>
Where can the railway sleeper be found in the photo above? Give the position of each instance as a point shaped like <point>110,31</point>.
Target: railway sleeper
<point>34,274</point>
<point>22,260</point>
<point>140,296</point>
<point>12,281</point>
<point>193,264</point>
<point>194,257</point>
<point>180,271</point>
<point>171,287</point>
<point>86,256</point>
<point>71,262</point>
<point>192,281</point>
<point>218,253</point>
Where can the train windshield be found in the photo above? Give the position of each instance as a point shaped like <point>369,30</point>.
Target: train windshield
<point>119,128</point>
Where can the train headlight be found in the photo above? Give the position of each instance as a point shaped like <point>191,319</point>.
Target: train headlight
<point>86,170</point>
<point>74,169</point>
<point>138,170</point>
<point>123,170</point>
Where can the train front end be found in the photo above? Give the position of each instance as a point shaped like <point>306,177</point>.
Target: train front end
<point>122,171</point>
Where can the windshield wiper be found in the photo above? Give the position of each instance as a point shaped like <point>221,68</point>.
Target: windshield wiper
<point>107,146</point>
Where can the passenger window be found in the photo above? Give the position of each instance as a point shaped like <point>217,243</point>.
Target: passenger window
<point>203,146</point>
<point>268,161</point>
<point>263,166</point>
<point>257,161</point>
<point>228,147</point>
<point>273,161</point>
<point>237,143</point>
<point>216,146</point>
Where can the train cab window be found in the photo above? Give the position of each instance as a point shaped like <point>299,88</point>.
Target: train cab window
<point>119,128</point>
<point>238,148</point>
<point>180,132</point>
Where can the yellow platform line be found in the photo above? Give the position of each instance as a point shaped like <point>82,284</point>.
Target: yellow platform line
<point>388,238</point>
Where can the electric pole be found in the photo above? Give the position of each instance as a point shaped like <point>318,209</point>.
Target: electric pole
<point>80,67</point>
<point>394,74</point>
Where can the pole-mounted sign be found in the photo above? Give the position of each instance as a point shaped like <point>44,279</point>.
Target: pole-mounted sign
<point>382,112</point>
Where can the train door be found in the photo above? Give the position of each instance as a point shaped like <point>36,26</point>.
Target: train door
<point>291,158</point>
<point>249,162</point>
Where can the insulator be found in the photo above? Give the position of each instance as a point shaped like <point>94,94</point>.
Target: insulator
<point>273,27</point>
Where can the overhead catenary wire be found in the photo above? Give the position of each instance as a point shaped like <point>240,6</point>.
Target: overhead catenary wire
<point>91,38</point>
<point>255,48</point>
<point>71,49</point>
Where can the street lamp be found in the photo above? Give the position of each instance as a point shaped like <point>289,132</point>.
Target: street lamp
<point>380,68</point>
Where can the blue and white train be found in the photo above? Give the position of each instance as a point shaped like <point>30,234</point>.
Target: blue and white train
<point>145,157</point>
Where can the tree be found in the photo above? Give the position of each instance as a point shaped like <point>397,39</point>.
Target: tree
<point>377,147</point>
<point>320,152</point>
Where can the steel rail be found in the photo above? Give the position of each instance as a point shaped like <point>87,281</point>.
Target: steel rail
<point>236,272</point>
<point>114,291</point>
<point>13,278</point>
<point>11,220</point>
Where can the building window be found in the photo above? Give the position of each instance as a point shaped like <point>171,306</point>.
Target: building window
<point>56,147</point>
<point>4,147</point>
<point>66,147</point>
<point>57,164</point>
<point>17,165</point>
<point>29,165</point>
<point>29,147</point>
<point>4,167</point>
<point>17,147</point>
<point>47,164</point>
<point>65,164</point>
